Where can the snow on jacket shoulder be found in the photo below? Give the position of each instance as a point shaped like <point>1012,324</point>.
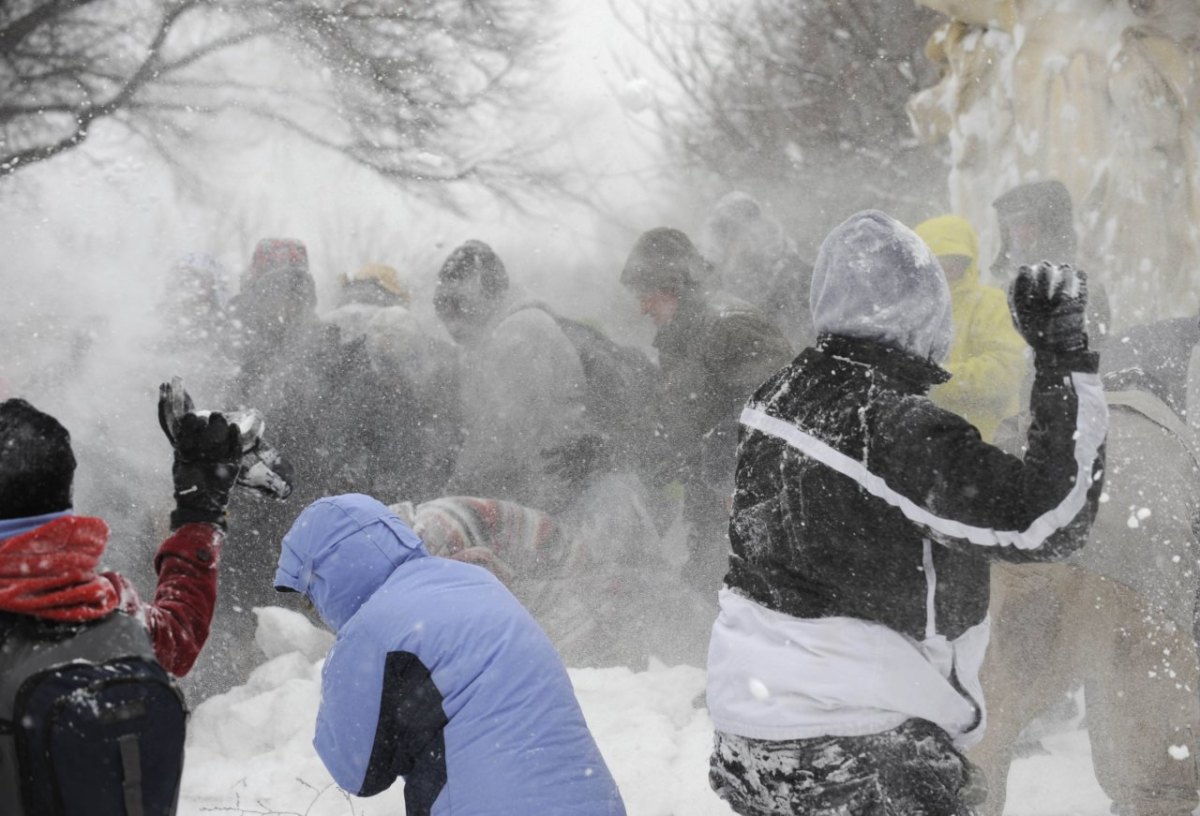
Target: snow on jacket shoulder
<point>438,675</point>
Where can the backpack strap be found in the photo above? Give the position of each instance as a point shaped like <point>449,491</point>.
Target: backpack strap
<point>131,772</point>
<point>1157,412</point>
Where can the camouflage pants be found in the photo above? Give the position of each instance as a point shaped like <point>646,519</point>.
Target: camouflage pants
<point>913,770</point>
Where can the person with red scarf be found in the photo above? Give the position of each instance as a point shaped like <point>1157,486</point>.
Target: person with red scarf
<point>49,557</point>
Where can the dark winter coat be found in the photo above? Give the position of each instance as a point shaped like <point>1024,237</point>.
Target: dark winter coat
<point>331,418</point>
<point>831,510</point>
<point>713,354</point>
<point>522,392</point>
<point>865,516</point>
<point>438,675</point>
<point>415,372</point>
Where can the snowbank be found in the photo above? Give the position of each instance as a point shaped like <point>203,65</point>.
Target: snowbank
<point>250,750</point>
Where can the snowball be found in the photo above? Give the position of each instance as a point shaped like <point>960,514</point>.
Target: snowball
<point>759,689</point>
<point>1179,752</point>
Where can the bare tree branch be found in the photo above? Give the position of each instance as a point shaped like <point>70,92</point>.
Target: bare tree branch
<point>375,80</point>
<point>801,102</point>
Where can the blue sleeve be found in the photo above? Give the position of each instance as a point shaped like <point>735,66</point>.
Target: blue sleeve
<point>348,717</point>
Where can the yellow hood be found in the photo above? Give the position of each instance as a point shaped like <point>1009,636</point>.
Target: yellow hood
<point>953,235</point>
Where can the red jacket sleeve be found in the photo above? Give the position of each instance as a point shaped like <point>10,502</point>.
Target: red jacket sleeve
<point>179,617</point>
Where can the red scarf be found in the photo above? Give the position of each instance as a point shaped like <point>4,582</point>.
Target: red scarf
<point>50,572</point>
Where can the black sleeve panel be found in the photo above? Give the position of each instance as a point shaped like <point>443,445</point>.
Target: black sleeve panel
<point>410,738</point>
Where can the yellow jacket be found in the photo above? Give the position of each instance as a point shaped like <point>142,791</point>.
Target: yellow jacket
<point>987,358</point>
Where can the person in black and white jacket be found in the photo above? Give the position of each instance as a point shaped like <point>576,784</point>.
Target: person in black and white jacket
<point>843,665</point>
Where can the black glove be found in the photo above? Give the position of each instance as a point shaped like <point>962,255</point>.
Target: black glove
<point>1048,304</point>
<point>574,461</point>
<point>208,450</point>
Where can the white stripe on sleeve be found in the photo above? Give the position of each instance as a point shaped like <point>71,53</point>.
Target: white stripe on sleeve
<point>1091,427</point>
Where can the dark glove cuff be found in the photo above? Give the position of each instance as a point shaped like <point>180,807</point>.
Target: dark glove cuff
<point>1087,362</point>
<point>188,515</point>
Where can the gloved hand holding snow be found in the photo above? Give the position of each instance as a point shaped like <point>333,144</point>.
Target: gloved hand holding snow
<point>207,454</point>
<point>1048,304</point>
<point>261,468</point>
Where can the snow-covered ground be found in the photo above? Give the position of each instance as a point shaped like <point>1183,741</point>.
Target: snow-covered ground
<point>250,751</point>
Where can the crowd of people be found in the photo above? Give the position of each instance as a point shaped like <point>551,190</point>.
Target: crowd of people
<point>871,462</point>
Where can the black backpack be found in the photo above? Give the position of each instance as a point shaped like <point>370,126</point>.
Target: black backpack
<point>90,723</point>
<point>620,379</point>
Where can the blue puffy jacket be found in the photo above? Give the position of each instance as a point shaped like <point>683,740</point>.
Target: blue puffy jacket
<point>438,675</point>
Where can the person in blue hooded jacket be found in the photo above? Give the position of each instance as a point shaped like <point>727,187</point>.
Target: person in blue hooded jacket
<point>438,675</point>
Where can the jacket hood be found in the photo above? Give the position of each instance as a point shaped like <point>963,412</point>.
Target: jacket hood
<point>340,550</point>
<point>953,235</point>
<point>876,280</point>
<point>1045,210</point>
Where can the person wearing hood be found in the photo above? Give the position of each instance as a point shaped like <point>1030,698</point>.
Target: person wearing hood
<point>843,665</point>
<point>754,260</point>
<point>987,357</point>
<point>438,675</point>
<point>1119,616</point>
<point>713,351</point>
<point>522,383</point>
<point>1036,221</point>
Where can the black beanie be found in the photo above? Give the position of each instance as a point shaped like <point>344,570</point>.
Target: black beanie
<point>664,258</point>
<point>36,462</point>
<point>476,258</point>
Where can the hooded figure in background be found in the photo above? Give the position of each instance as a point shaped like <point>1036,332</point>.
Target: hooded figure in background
<point>1037,223</point>
<point>713,351</point>
<point>1119,617</point>
<point>843,666</point>
<point>438,675</point>
<point>987,357</point>
<point>756,262</point>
